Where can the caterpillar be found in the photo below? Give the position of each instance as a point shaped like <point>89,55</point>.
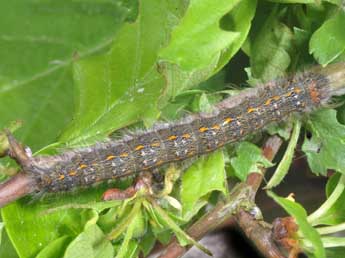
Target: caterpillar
<point>229,121</point>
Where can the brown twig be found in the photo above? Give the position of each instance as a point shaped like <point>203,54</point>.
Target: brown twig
<point>256,230</point>
<point>259,233</point>
<point>269,151</point>
<point>15,188</point>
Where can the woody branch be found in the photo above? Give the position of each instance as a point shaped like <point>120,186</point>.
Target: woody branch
<point>257,231</point>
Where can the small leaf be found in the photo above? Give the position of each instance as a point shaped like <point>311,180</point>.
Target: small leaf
<point>55,249</point>
<point>283,130</point>
<point>6,247</point>
<point>147,242</point>
<point>300,215</point>
<point>128,247</point>
<point>2,225</point>
<point>134,216</point>
<point>239,19</point>
<point>36,59</point>
<point>183,237</point>
<point>249,159</point>
<point>270,49</point>
<point>294,1</point>
<point>124,78</point>
<point>284,165</point>
<point>326,148</point>
<point>236,22</point>
<point>205,37</point>
<point>203,177</point>
<point>90,243</point>
<point>336,252</point>
<point>328,42</point>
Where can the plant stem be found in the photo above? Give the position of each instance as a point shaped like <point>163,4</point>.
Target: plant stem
<point>331,229</point>
<point>312,218</point>
<point>327,242</point>
<point>123,226</point>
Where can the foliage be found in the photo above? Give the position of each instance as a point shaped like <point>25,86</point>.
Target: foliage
<point>75,71</point>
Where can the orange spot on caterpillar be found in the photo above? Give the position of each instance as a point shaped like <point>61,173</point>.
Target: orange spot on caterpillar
<point>48,181</point>
<point>139,147</point>
<point>268,102</point>
<point>186,135</point>
<point>61,177</point>
<point>159,162</point>
<point>172,137</point>
<point>124,154</point>
<point>227,120</point>
<point>250,110</point>
<point>297,90</point>
<point>216,127</point>
<point>72,173</point>
<point>155,144</point>
<point>203,129</point>
<point>82,166</point>
<point>288,94</point>
<point>110,157</point>
<point>220,144</point>
<point>276,97</point>
<point>314,94</point>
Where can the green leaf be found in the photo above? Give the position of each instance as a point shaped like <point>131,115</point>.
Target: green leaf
<point>201,178</point>
<point>300,215</point>
<point>283,130</point>
<point>270,49</point>
<point>326,148</point>
<point>90,243</point>
<point>147,243</point>
<point>336,2</point>
<point>328,42</point>
<point>295,1</point>
<point>6,247</point>
<point>332,211</point>
<point>239,19</point>
<point>178,78</point>
<point>285,163</point>
<point>204,37</point>
<point>25,220</point>
<point>130,250</point>
<point>183,238</point>
<point>333,245</point>
<point>125,78</point>
<point>55,249</point>
<point>249,159</point>
<point>336,252</point>
<point>2,225</point>
<point>39,41</point>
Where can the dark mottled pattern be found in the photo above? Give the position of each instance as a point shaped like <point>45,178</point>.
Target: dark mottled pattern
<point>230,121</point>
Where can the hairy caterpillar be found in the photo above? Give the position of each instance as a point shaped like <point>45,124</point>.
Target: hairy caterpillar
<point>230,121</point>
